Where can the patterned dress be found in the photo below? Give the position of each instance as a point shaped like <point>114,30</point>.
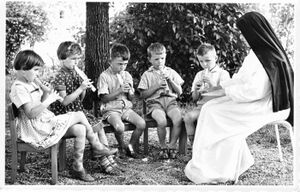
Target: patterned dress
<point>69,81</point>
<point>44,130</point>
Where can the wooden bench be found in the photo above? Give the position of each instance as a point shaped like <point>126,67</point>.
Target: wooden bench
<point>151,123</point>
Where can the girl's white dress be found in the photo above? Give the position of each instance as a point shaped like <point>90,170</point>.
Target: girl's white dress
<point>44,130</point>
<point>220,152</point>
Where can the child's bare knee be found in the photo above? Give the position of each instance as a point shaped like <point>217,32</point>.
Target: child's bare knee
<point>141,125</point>
<point>119,127</point>
<point>187,117</point>
<point>177,121</point>
<point>80,130</point>
<point>161,122</point>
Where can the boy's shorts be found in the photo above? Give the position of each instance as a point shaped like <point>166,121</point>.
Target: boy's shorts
<point>124,113</point>
<point>163,103</point>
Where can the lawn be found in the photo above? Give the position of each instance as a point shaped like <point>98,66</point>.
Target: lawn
<point>150,170</point>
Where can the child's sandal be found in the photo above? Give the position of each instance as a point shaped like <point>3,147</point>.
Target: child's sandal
<point>164,154</point>
<point>112,161</point>
<point>172,153</point>
<point>105,164</point>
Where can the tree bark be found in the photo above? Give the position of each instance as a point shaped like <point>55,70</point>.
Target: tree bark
<point>97,47</point>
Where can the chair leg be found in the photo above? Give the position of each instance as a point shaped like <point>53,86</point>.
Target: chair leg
<point>23,161</point>
<point>54,151</point>
<point>292,138</point>
<point>62,155</point>
<point>146,141</point>
<point>278,142</point>
<point>14,165</point>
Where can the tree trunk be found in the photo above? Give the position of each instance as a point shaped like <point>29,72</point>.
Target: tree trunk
<point>97,47</point>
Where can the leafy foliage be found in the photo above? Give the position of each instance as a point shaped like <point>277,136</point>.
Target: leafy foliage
<point>181,27</point>
<point>24,21</point>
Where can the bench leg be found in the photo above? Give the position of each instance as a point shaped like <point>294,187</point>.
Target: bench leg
<point>23,161</point>
<point>182,141</point>
<point>146,150</point>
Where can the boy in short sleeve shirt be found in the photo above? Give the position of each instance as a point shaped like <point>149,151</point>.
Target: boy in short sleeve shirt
<point>160,86</point>
<point>206,80</point>
<point>115,89</point>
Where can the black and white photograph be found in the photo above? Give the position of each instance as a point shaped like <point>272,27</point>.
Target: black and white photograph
<point>150,95</point>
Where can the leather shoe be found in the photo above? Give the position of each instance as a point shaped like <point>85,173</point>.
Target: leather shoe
<point>104,152</point>
<point>82,175</point>
<point>130,151</point>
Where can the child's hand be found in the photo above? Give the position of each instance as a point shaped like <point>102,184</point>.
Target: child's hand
<point>165,75</point>
<point>125,88</point>
<point>201,87</point>
<point>46,87</point>
<point>198,85</point>
<point>207,81</point>
<point>86,84</point>
<point>163,84</point>
<point>52,97</point>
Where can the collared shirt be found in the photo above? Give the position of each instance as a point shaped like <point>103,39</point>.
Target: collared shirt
<point>216,75</point>
<point>152,77</point>
<point>108,83</point>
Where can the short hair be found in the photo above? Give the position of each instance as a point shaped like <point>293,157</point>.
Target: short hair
<point>67,49</point>
<point>156,48</point>
<point>27,59</point>
<point>204,48</point>
<point>119,50</point>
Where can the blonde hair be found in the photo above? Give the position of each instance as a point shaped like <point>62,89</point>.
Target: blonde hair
<point>204,48</point>
<point>156,48</point>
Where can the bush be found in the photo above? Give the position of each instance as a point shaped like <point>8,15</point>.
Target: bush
<point>181,27</point>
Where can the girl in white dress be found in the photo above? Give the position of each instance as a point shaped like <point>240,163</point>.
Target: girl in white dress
<point>39,126</point>
<point>261,92</point>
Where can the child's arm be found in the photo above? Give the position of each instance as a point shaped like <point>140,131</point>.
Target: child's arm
<point>130,95</point>
<point>176,87</point>
<point>32,110</point>
<point>77,93</point>
<point>112,96</point>
<point>46,90</point>
<point>196,95</point>
<point>82,95</point>
<point>145,93</point>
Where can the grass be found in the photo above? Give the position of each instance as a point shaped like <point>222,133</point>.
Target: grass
<point>267,170</point>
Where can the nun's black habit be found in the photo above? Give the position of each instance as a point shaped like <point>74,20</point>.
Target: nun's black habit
<point>267,47</point>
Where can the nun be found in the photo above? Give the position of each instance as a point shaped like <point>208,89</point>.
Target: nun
<point>259,93</point>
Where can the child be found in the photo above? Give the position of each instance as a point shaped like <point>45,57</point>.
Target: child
<point>206,80</point>
<point>115,88</point>
<point>72,88</point>
<point>39,126</point>
<point>160,86</point>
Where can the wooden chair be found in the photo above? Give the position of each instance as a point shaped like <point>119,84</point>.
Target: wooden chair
<point>19,146</point>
